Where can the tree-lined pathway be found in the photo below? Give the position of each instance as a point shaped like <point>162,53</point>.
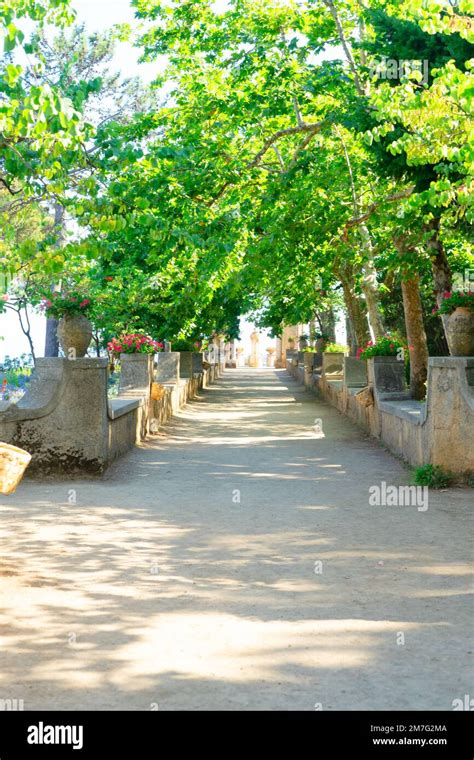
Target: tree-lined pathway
<point>189,577</point>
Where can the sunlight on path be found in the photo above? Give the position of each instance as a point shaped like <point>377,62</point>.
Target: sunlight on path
<point>233,562</point>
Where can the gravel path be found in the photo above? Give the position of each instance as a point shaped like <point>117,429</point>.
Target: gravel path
<point>234,562</point>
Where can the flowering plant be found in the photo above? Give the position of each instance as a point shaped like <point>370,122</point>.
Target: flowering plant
<point>134,343</point>
<point>388,345</point>
<point>68,304</point>
<point>452,301</point>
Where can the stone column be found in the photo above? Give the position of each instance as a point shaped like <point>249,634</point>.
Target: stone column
<point>289,331</point>
<point>270,357</point>
<point>279,354</point>
<point>254,359</point>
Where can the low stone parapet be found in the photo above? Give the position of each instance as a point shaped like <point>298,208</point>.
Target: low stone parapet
<point>70,426</point>
<point>438,431</point>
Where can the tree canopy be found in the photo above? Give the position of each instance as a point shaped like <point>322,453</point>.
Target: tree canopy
<point>295,158</point>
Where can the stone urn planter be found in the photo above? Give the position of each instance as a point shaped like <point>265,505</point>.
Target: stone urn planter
<point>460,332</point>
<point>74,335</point>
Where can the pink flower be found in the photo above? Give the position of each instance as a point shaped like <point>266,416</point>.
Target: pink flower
<point>5,297</point>
<point>85,302</point>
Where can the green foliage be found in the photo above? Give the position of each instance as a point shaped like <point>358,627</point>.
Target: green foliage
<point>432,476</point>
<point>335,348</point>
<point>267,181</point>
<point>185,345</point>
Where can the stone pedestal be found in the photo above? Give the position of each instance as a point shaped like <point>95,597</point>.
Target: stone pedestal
<point>167,367</point>
<point>450,413</point>
<point>355,372</point>
<point>136,372</point>
<point>387,375</point>
<point>190,363</point>
<point>185,363</point>
<point>333,365</point>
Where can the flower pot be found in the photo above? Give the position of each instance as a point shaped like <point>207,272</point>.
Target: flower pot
<point>460,332</point>
<point>74,335</point>
<point>13,463</point>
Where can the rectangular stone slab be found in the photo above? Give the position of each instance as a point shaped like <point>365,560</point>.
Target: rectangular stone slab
<point>355,372</point>
<point>168,365</point>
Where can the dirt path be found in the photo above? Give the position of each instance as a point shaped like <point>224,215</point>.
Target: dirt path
<point>186,578</point>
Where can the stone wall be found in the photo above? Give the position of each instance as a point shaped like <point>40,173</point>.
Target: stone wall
<point>438,431</point>
<point>68,424</point>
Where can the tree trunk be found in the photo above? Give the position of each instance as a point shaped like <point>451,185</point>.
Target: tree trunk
<point>442,275</point>
<point>351,338</point>
<point>327,322</point>
<point>355,310</point>
<point>414,325</point>
<point>369,285</point>
<point>51,343</point>
<point>416,336</point>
